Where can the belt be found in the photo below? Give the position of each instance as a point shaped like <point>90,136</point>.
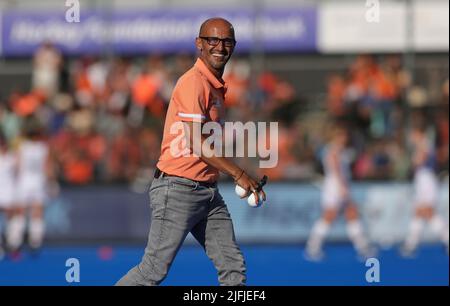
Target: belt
<point>159,173</point>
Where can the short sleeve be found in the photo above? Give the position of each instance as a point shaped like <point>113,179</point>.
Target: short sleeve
<point>189,97</point>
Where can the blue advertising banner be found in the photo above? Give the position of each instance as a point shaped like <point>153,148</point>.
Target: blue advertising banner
<point>119,214</point>
<point>164,31</point>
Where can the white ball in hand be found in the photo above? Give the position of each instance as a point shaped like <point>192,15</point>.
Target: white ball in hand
<point>240,191</point>
<point>252,201</point>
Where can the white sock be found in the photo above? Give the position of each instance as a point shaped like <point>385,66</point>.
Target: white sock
<point>414,233</point>
<point>318,233</point>
<point>14,232</point>
<point>438,226</point>
<point>36,232</point>
<point>356,235</point>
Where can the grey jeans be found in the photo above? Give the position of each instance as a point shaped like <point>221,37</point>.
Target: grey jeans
<point>180,206</point>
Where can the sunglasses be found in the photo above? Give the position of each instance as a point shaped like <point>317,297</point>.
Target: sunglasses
<point>214,41</point>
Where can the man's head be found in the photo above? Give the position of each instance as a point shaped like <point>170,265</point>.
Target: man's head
<point>418,128</point>
<point>215,43</point>
<point>341,137</point>
<point>417,133</point>
<point>339,134</point>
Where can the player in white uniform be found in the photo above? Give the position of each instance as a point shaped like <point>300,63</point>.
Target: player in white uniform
<point>336,196</point>
<point>8,164</point>
<point>425,193</point>
<point>33,170</point>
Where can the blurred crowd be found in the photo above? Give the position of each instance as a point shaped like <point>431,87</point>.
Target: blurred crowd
<point>104,116</point>
<point>381,102</point>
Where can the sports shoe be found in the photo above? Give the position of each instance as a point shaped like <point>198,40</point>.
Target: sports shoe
<point>366,253</point>
<point>313,255</point>
<point>407,252</point>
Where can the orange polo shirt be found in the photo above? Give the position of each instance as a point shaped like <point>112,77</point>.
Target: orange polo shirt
<point>199,97</point>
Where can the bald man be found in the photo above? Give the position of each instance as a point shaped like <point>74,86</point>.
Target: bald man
<point>184,196</point>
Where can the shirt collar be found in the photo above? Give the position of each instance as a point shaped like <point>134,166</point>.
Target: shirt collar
<point>200,65</point>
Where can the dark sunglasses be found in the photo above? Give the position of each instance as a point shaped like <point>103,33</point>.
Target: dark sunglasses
<point>214,41</point>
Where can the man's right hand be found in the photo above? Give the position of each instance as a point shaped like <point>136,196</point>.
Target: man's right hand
<point>250,185</point>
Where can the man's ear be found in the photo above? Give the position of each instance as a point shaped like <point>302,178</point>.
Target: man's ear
<point>198,44</point>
